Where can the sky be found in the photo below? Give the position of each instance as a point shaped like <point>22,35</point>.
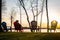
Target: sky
<point>53,12</point>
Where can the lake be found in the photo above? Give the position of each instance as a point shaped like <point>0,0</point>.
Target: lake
<point>42,30</point>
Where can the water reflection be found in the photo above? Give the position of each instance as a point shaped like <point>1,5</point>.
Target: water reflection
<point>28,30</point>
<point>42,30</point>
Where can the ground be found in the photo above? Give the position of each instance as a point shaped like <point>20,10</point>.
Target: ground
<point>29,36</point>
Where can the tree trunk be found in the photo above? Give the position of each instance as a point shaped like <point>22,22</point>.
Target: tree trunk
<point>0,15</point>
<point>11,24</point>
<point>33,12</point>
<point>22,4</point>
<point>20,14</point>
<point>41,14</point>
<point>27,16</point>
<point>47,16</point>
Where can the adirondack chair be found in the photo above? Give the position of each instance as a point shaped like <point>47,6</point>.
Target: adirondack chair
<point>33,26</point>
<point>53,25</point>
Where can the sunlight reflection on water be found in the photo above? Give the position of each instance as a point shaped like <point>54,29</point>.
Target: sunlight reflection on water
<point>42,30</point>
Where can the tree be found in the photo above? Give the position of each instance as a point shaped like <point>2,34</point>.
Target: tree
<point>32,11</point>
<point>34,8</point>
<point>12,15</point>
<point>0,15</point>
<point>4,6</point>
<point>47,15</point>
<point>23,5</point>
<point>18,4</point>
<point>41,14</point>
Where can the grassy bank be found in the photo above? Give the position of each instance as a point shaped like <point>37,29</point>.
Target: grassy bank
<point>29,36</point>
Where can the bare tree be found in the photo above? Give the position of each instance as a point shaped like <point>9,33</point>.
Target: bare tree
<point>47,15</point>
<point>19,6</point>
<point>32,10</point>
<point>41,14</point>
<point>4,6</point>
<point>0,18</point>
<point>23,5</point>
<point>37,13</point>
<point>36,7</point>
<point>12,15</point>
<point>36,10</point>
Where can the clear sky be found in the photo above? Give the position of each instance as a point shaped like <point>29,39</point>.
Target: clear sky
<point>53,10</point>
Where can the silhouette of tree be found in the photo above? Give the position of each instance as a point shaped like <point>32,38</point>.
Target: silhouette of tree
<point>41,14</point>
<point>12,15</point>
<point>32,10</point>
<point>4,5</point>
<point>0,15</point>
<point>23,5</point>
<point>35,10</point>
<point>47,16</point>
<point>4,8</point>
<point>18,4</point>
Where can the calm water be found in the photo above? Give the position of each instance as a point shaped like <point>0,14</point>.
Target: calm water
<point>42,30</point>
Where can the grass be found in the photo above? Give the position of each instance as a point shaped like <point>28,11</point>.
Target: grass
<point>29,36</point>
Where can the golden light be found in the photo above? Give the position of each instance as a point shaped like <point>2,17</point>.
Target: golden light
<point>54,21</point>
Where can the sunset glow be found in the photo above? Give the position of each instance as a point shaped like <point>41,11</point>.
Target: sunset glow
<point>53,12</point>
